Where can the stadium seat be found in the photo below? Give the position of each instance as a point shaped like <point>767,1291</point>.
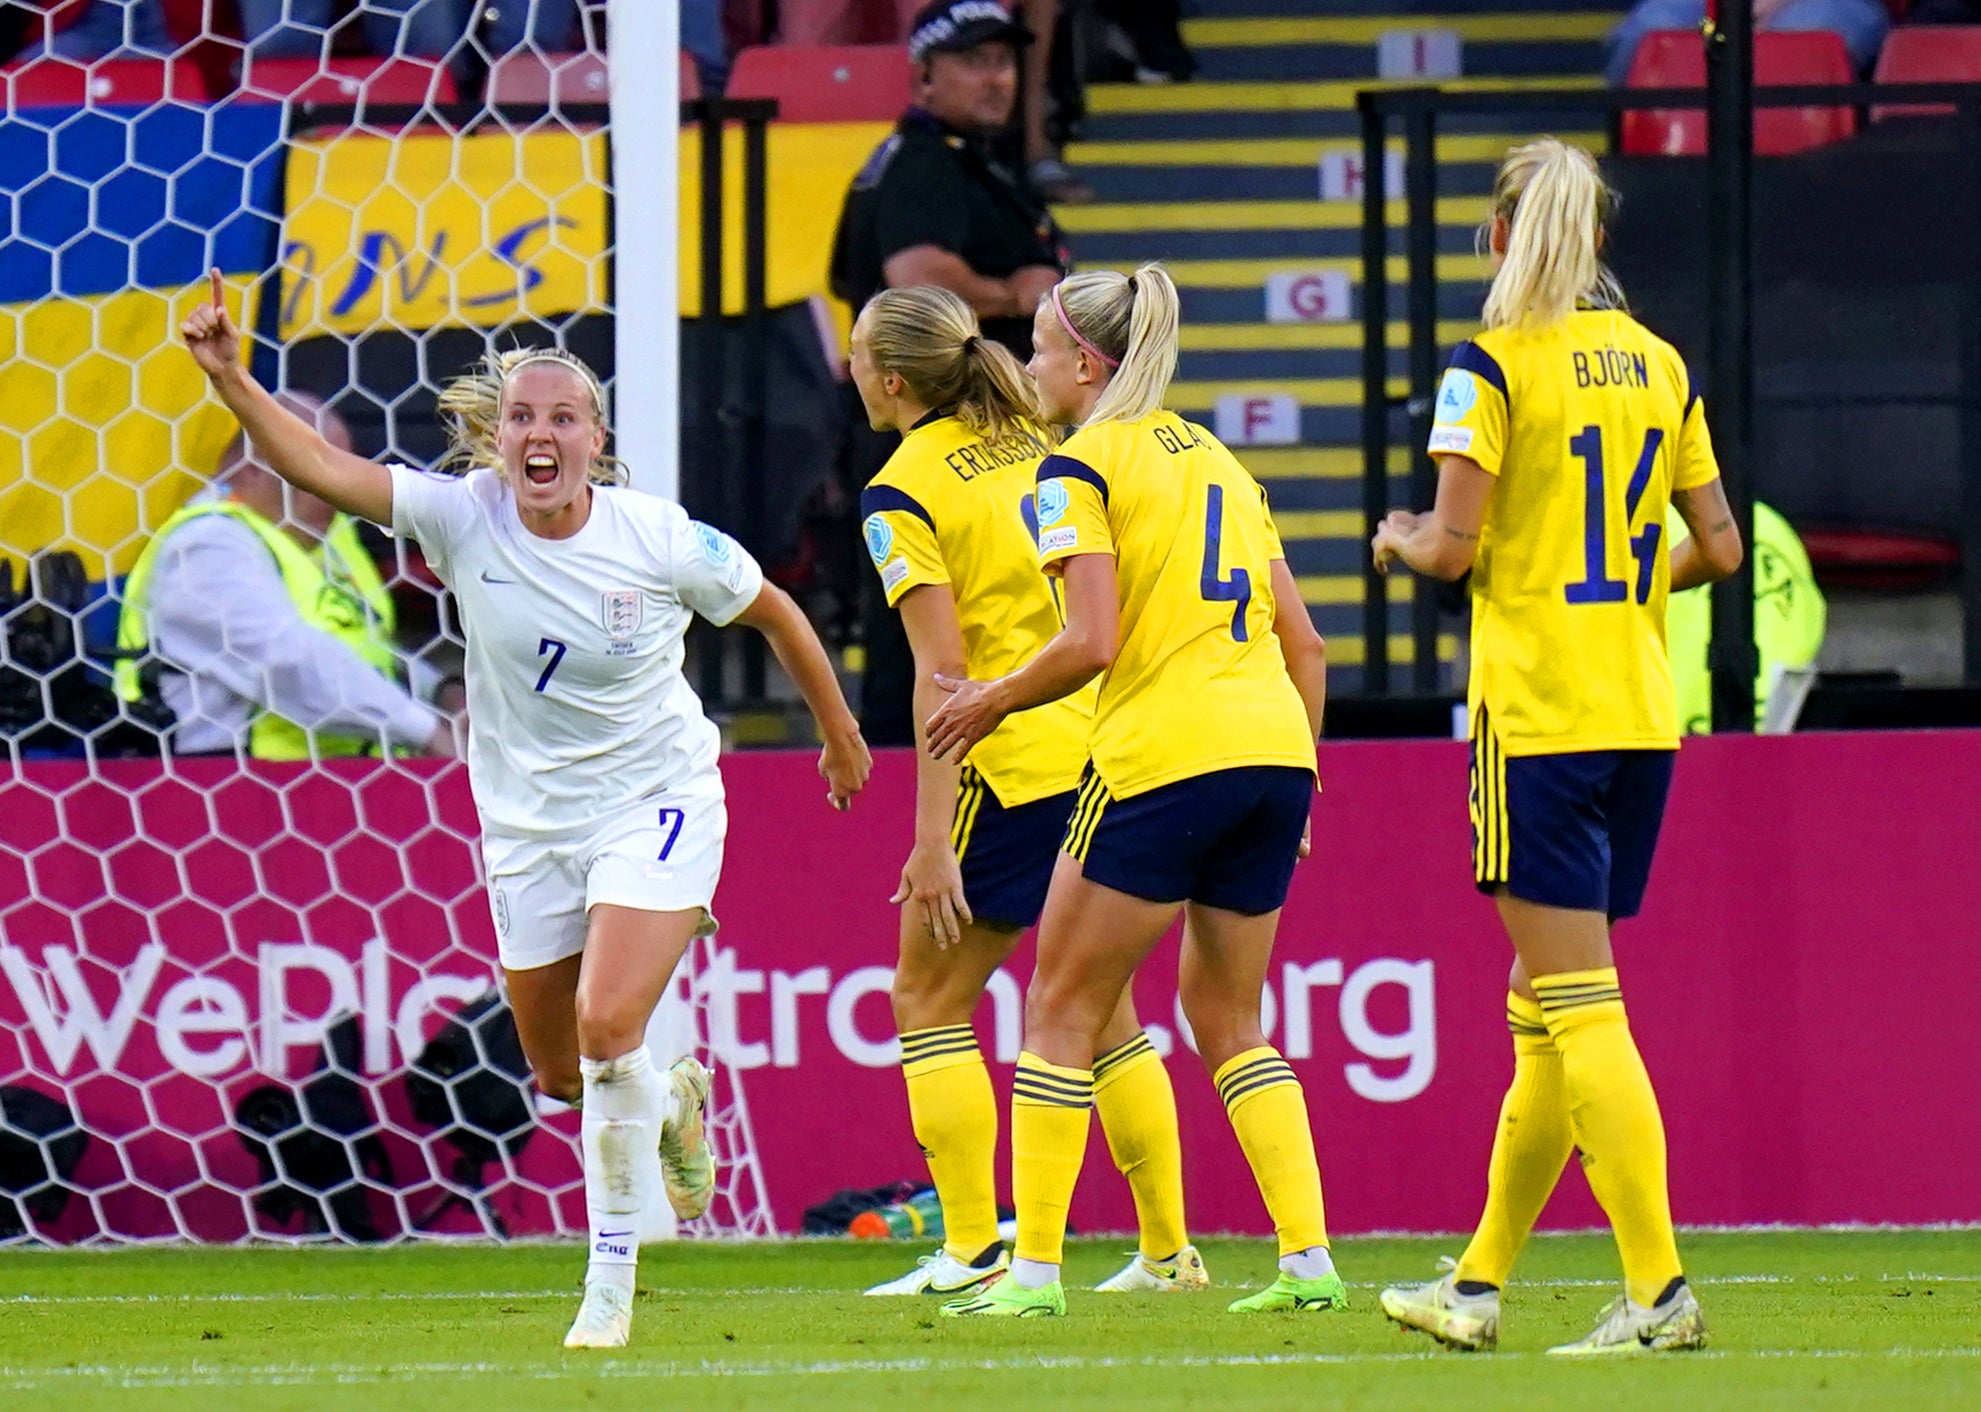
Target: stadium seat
<point>1677,59</point>
<point>551,80</point>
<point>208,32</point>
<point>347,81</point>
<point>1927,54</point>
<point>61,83</point>
<point>846,84</point>
<point>1881,559</point>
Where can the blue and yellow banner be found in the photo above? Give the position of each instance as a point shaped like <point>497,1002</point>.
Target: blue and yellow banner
<point>421,231</point>
<point>105,423</point>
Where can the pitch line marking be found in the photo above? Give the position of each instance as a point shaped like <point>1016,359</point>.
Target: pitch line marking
<point>289,1374</point>
<point>677,1292</point>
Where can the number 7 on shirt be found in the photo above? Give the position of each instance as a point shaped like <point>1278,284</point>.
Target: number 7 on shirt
<point>556,650</point>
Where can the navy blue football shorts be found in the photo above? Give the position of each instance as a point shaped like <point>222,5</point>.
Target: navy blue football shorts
<point>1007,855</point>
<point>1576,830</point>
<point>1228,839</point>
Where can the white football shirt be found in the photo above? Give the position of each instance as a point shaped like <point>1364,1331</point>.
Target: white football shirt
<point>576,703</point>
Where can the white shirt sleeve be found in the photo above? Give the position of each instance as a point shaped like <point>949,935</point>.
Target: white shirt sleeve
<point>219,612</point>
<point>431,509</point>
<point>713,574</point>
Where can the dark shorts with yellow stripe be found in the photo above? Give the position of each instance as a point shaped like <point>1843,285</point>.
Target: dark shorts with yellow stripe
<point>1576,830</point>
<point>1007,855</point>
<point>1228,839</point>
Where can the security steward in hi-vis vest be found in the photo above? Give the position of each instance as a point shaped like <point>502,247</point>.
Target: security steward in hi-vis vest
<point>336,590</point>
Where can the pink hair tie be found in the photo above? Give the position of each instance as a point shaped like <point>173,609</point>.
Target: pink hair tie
<point>1074,334</point>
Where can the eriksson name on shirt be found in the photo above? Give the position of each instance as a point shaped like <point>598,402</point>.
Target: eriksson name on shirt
<point>1610,367</point>
<point>974,460</point>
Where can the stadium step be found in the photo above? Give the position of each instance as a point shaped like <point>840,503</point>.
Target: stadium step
<point>1222,179</point>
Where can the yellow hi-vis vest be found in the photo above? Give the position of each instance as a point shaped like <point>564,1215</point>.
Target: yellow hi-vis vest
<point>338,592</point>
<point>1790,618</point>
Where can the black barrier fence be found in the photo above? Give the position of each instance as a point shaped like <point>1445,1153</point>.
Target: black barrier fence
<point>1852,397</point>
<point>727,483</point>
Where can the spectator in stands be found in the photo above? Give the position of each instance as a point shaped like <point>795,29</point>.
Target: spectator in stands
<point>705,35</point>
<point>935,205</point>
<point>303,29</point>
<point>96,29</point>
<point>818,22</point>
<point>1944,12</point>
<point>1044,167</point>
<point>845,21</point>
<point>1152,33</point>
<point>267,622</point>
<point>1861,24</point>
<point>554,26</point>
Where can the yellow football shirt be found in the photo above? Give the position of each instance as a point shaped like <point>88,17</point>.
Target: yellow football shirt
<point>1589,426</point>
<point>950,507</point>
<point>1198,683</point>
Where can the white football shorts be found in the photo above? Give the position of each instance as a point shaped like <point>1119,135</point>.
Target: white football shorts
<point>662,855</point>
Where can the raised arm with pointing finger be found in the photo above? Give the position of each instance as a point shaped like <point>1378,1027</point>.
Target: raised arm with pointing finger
<point>288,445</point>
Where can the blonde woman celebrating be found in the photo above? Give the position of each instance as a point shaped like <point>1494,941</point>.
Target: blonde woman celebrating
<point>1562,433</point>
<point>593,767</point>
<point>1200,776</point>
<point>950,524</point>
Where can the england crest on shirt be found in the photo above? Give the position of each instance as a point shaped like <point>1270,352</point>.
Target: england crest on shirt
<point>622,613</point>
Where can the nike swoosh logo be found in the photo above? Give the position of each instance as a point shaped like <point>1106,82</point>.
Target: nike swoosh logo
<point>487,577</point>
<point>612,1235</point>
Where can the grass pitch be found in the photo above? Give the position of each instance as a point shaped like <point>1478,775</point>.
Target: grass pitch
<point>1833,1319</point>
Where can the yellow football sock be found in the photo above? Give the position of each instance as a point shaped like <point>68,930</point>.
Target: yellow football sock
<point>1529,1149</point>
<point>1614,1115</point>
<point>955,1118</point>
<point>1049,1107</point>
<point>1137,1107</point>
<point>1269,1114</point>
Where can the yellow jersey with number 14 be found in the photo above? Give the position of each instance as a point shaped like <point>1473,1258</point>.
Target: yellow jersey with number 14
<point>1198,682</point>
<point>1588,425</point>
<point>950,507</point>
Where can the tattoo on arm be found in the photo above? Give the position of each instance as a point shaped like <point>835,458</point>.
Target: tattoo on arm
<point>1722,527</point>
<point>1461,534</point>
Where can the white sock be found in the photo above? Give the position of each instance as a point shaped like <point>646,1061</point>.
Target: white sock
<point>1033,1274</point>
<point>620,1130</point>
<point>1313,1263</point>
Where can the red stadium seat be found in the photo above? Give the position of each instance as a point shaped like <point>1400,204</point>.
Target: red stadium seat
<point>1881,559</point>
<point>64,83</point>
<point>208,32</point>
<point>1927,54</point>
<point>1677,59</point>
<point>846,84</point>
<point>552,80</point>
<point>347,81</point>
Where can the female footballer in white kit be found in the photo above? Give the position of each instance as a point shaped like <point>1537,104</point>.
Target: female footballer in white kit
<point>593,767</point>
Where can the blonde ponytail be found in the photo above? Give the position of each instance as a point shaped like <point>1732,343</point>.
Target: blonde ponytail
<point>471,408</point>
<point>1132,321</point>
<point>929,338</point>
<point>1556,208</point>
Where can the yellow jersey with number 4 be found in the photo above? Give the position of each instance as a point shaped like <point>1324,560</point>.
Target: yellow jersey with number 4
<point>1198,683</point>
<point>950,507</point>
<point>1588,425</point>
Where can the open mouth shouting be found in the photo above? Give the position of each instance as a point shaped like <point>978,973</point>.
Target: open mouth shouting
<point>540,468</point>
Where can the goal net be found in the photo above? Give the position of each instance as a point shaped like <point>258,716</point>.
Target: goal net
<point>257,999</point>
